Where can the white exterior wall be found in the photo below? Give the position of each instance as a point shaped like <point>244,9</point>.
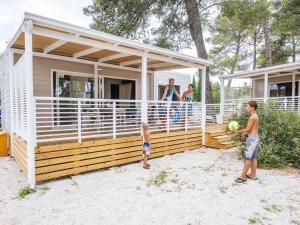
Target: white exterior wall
<point>162,78</point>
<point>258,85</point>
<point>42,68</point>
<point>5,91</point>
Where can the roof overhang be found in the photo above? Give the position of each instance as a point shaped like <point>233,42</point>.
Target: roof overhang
<point>53,37</point>
<point>278,70</point>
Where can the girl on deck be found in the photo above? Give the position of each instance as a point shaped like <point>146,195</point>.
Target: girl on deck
<point>188,96</point>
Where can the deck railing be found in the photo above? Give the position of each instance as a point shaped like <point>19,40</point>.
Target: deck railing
<point>168,116</point>
<point>63,119</point>
<point>231,106</point>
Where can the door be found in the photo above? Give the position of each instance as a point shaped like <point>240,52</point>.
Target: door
<point>115,91</point>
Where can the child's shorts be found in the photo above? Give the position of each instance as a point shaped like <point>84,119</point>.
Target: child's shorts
<point>146,149</point>
<point>252,145</point>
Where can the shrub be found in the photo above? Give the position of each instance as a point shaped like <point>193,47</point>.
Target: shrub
<point>279,136</point>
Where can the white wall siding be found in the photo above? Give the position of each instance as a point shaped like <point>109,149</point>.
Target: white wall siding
<point>5,91</point>
<point>42,74</point>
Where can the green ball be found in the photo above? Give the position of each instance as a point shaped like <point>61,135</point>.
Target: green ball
<point>233,126</point>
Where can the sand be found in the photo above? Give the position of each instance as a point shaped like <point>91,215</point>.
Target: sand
<point>192,188</point>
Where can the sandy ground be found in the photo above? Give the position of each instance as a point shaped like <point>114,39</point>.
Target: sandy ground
<point>189,188</point>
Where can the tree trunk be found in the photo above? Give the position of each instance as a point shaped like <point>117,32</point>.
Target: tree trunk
<point>254,49</point>
<point>268,42</point>
<point>294,48</point>
<point>194,20</point>
<point>236,56</point>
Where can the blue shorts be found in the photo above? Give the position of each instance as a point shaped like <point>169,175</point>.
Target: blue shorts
<point>252,145</point>
<point>146,149</point>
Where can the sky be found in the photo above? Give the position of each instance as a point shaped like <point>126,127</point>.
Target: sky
<point>12,12</point>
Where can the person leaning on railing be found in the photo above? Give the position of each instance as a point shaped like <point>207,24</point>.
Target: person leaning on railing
<point>188,96</point>
<point>169,91</point>
<point>167,96</point>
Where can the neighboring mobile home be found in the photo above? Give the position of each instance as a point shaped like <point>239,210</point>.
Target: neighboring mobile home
<point>73,99</point>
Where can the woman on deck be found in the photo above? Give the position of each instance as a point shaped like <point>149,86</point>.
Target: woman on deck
<point>188,96</point>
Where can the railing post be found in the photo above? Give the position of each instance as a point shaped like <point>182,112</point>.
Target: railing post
<point>222,99</point>
<point>186,117</point>
<point>203,122</point>
<point>79,120</point>
<point>266,87</point>
<point>168,117</point>
<point>114,120</point>
<point>285,103</point>
<point>203,100</point>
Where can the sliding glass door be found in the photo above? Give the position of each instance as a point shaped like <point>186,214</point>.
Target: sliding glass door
<point>71,86</point>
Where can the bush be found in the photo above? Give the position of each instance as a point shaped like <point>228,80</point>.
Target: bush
<point>279,136</point>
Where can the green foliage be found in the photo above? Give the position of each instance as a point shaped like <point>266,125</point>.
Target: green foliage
<point>197,88</point>
<point>24,191</point>
<point>216,92</point>
<point>279,136</point>
<point>158,180</point>
<point>134,19</point>
<point>230,34</point>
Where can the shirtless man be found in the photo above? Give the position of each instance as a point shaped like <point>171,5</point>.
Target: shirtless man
<point>252,144</point>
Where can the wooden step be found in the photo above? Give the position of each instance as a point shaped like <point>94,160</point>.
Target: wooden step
<point>217,133</point>
<point>222,138</point>
<point>229,144</point>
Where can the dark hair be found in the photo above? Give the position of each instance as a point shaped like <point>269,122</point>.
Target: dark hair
<point>253,104</point>
<point>171,79</point>
<point>191,85</point>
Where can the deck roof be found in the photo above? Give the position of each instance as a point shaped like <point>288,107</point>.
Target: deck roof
<point>53,37</point>
<point>278,70</point>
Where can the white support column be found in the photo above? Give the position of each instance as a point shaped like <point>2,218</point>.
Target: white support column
<point>79,120</point>
<point>30,104</point>
<point>96,81</point>
<point>203,101</point>
<point>114,120</point>
<point>253,88</point>
<point>11,99</point>
<point>266,88</point>
<point>293,89</point>
<point>222,99</point>
<point>144,90</point>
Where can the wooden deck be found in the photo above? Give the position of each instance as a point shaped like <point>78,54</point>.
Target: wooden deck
<point>20,152</point>
<point>59,160</point>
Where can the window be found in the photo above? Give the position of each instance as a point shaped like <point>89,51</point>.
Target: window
<point>283,89</point>
<point>65,85</point>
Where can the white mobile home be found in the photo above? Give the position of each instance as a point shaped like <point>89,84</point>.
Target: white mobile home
<point>73,98</point>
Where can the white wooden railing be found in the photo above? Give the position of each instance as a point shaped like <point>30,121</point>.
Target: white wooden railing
<point>231,106</point>
<point>63,119</point>
<point>168,116</point>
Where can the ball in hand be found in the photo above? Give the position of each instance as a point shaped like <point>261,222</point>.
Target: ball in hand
<point>233,126</point>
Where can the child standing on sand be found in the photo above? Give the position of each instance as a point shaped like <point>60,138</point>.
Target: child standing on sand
<point>146,145</point>
<point>252,144</point>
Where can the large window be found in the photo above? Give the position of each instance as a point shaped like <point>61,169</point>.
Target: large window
<point>65,85</point>
<point>283,89</point>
